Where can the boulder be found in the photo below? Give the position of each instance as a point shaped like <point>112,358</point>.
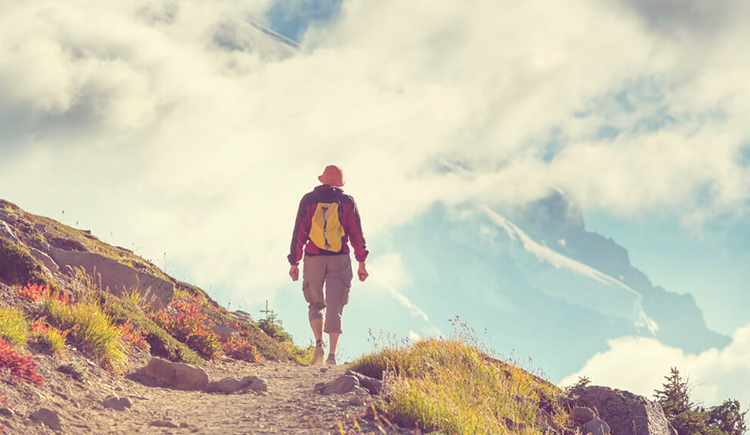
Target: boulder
<point>116,403</point>
<point>44,259</point>
<point>116,277</point>
<point>6,231</point>
<point>225,332</point>
<point>374,386</point>
<point>625,412</point>
<point>596,427</point>
<point>242,315</point>
<point>49,418</point>
<point>581,414</point>
<point>340,385</point>
<point>255,383</point>
<point>229,385</point>
<point>180,376</point>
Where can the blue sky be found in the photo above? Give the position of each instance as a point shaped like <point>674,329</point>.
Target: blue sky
<point>183,131</point>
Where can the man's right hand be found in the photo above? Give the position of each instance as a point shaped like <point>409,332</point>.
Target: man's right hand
<point>362,272</point>
<point>294,272</point>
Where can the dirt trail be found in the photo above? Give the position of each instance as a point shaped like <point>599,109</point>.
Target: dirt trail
<point>289,407</point>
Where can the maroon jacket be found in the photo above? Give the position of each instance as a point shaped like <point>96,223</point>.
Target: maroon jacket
<point>349,220</point>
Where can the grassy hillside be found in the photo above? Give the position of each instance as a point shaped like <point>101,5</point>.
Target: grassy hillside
<point>451,386</point>
<point>60,301</point>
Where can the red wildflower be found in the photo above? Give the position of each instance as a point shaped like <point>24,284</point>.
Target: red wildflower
<point>20,366</point>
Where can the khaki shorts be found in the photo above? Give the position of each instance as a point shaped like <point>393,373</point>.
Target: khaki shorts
<point>335,272</point>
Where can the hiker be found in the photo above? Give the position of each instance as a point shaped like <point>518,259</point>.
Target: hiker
<point>326,220</point>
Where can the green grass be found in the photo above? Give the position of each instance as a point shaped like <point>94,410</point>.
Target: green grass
<point>91,330</point>
<point>452,387</point>
<point>53,339</point>
<point>14,327</point>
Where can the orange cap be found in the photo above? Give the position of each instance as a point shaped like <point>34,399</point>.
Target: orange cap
<point>332,176</point>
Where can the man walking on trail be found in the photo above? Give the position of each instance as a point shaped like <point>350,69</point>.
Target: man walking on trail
<point>326,220</point>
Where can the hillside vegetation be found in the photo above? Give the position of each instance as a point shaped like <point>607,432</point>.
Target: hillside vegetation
<point>70,306</point>
<point>451,386</point>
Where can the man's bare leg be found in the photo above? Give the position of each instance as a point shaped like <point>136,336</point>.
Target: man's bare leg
<point>320,347</point>
<point>333,339</point>
<point>317,328</point>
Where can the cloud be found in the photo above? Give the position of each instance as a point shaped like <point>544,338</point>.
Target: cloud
<point>182,128</point>
<point>685,16</point>
<point>388,275</point>
<point>715,375</point>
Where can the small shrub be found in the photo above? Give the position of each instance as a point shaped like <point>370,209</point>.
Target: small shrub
<point>76,371</point>
<point>241,348</point>
<point>13,326</point>
<point>133,335</point>
<point>21,367</point>
<point>36,292</point>
<point>190,326</point>
<point>90,330</point>
<point>274,330</point>
<point>49,336</point>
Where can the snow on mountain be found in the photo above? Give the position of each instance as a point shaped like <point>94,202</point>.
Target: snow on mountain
<point>615,298</point>
<point>539,285</point>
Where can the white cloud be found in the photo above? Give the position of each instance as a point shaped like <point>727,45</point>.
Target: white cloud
<point>388,274</point>
<point>640,364</point>
<point>178,127</point>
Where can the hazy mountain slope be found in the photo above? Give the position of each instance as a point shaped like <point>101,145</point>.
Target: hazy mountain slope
<point>555,301</point>
<point>680,321</point>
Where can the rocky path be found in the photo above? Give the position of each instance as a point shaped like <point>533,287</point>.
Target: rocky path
<point>289,406</point>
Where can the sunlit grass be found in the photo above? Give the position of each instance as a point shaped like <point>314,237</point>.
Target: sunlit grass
<point>449,385</point>
<point>51,337</point>
<point>13,326</point>
<point>91,330</point>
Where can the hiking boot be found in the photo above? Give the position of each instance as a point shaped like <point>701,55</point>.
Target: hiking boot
<point>331,361</point>
<point>320,350</point>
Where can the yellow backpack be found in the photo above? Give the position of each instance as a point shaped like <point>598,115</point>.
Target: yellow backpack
<point>326,231</point>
